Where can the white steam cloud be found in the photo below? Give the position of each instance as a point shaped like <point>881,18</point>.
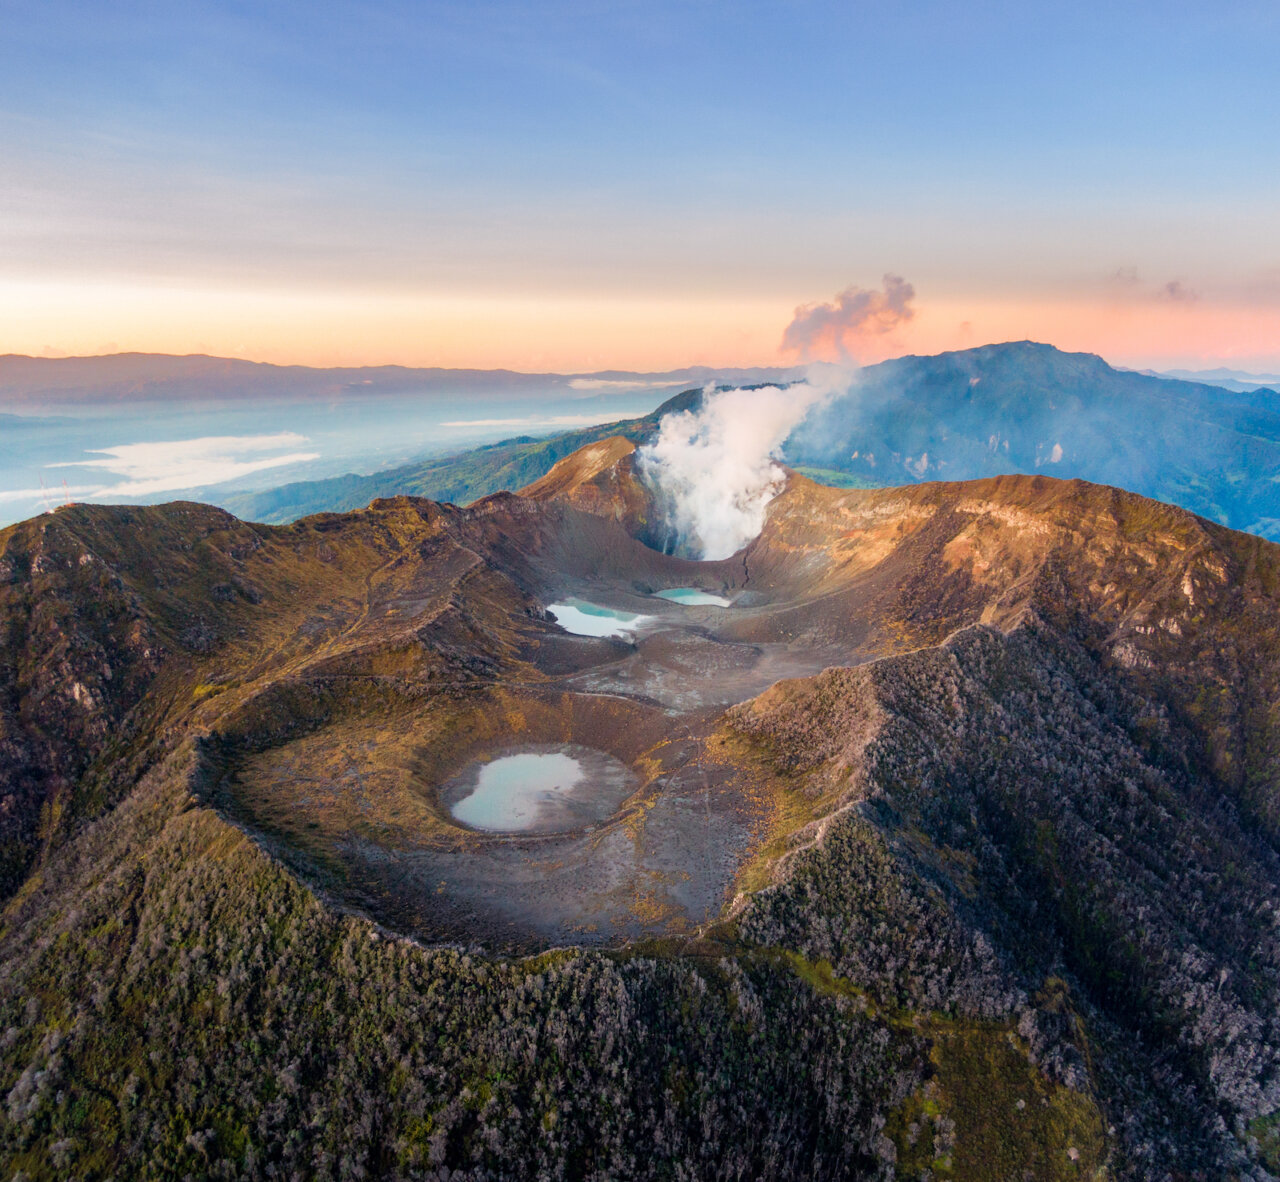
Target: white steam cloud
<point>714,470</point>
<point>842,330</point>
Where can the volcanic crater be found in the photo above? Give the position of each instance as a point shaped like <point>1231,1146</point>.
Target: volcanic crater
<point>988,764</point>
<point>348,753</point>
<point>360,791</point>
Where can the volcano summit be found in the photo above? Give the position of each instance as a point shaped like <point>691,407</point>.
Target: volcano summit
<point>942,840</point>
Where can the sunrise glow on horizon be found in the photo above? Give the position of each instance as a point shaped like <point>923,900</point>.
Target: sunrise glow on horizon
<point>640,187</point>
<point>583,335</point>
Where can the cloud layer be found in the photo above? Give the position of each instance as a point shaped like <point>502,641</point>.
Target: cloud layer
<point>528,421</point>
<point>150,468</point>
<point>840,331</point>
<point>54,494</point>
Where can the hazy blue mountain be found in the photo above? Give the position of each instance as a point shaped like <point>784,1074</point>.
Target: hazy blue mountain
<point>1026,407</point>
<point>1230,379</point>
<point>1015,407</point>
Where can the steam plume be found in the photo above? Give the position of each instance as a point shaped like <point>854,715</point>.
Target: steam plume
<point>714,471</point>
<point>840,331</point>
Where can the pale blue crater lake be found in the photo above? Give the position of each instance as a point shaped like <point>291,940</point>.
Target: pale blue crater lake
<point>589,619</point>
<point>692,597</point>
<point>539,790</point>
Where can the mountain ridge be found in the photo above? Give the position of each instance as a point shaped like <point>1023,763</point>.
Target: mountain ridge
<point>65,381</point>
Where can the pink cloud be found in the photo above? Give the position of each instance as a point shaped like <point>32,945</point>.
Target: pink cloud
<point>842,330</point>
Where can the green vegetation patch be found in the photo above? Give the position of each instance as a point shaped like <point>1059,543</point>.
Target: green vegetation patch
<point>1265,1130</point>
<point>990,1113</point>
<point>203,1015</point>
<point>834,478</point>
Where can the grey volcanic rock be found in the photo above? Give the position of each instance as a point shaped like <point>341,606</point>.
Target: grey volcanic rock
<point>1022,816</point>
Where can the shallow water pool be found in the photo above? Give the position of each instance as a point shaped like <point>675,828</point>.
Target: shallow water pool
<point>539,790</point>
<point>692,597</point>
<point>589,619</point>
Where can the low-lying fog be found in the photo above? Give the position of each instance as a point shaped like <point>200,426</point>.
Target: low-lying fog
<point>148,453</point>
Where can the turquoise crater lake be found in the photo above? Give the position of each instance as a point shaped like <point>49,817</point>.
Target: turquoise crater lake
<point>589,619</point>
<point>692,597</point>
<point>539,790</point>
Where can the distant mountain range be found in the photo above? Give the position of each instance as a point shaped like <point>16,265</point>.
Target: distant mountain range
<point>1019,407</point>
<point>1025,407</point>
<point>1230,379</point>
<point>82,418</point>
<point>69,383</point>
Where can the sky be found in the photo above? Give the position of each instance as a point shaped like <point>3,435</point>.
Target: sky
<point>592,185</point>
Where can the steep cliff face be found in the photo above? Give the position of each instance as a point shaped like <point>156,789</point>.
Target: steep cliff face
<point>78,653</point>
<point>602,479</point>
